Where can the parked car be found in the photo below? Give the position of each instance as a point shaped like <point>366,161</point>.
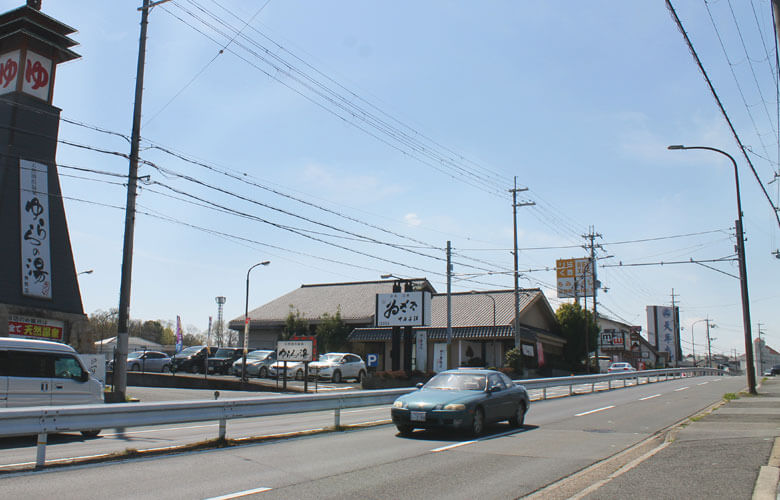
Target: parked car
<point>146,361</point>
<point>191,359</point>
<point>337,366</point>
<point>43,373</point>
<point>257,363</point>
<point>222,360</point>
<point>294,369</point>
<point>462,399</point>
<point>620,367</point>
<point>775,370</point>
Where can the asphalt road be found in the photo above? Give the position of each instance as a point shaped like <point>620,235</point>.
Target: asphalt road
<point>561,436</point>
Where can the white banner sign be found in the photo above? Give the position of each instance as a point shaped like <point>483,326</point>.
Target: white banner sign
<point>403,309</point>
<point>36,228</point>
<point>439,357</point>
<point>421,347</point>
<point>294,350</point>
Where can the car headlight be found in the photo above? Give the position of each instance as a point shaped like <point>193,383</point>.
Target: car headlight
<point>455,407</point>
<point>399,404</point>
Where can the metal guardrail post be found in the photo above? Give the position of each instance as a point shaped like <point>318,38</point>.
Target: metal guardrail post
<point>222,428</point>
<point>337,418</point>
<point>544,393</point>
<point>609,384</point>
<point>40,459</point>
<point>571,389</point>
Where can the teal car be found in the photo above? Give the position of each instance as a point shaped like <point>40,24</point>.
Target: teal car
<point>465,399</point>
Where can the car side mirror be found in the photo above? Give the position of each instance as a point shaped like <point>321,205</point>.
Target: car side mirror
<point>84,376</point>
<point>419,385</point>
<point>494,388</point>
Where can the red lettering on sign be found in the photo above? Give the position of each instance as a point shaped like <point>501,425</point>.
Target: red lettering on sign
<point>8,72</point>
<point>37,75</point>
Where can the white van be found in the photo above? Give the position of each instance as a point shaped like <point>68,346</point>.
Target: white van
<point>42,373</point>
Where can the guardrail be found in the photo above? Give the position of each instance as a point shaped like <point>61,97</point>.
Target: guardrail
<point>43,420</point>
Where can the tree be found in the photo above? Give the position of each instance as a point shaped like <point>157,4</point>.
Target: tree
<point>103,324</point>
<point>573,321</point>
<point>152,330</point>
<point>332,332</point>
<point>294,325</point>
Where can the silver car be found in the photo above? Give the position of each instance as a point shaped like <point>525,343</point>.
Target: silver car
<point>338,366</point>
<point>257,363</point>
<point>148,361</point>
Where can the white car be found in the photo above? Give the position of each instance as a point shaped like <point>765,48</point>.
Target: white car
<point>338,366</point>
<point>294,370</point>
<point>620,367</point>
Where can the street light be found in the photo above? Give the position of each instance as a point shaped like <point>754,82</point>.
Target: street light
<point>246,319</point>
<point>751,373</point>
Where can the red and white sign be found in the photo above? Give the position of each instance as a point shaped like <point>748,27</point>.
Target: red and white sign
<point>9,71</point>
<point>37,76</point>
<point>35,328</point>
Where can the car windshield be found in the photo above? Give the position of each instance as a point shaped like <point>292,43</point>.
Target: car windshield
<point>223,353</point>
<point>190,350</point>
<point>258,354</point>
<point>136,354</point>
<point>330,358</point>
<point>458,382</point>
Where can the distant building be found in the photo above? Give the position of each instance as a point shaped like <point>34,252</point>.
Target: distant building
<point>620,341</point>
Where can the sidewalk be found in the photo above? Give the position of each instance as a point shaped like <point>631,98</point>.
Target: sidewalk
<point>720,454</point>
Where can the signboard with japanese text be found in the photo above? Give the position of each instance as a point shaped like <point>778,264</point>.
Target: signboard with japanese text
<point>421,350</point>
<point>439,357</point>
<point>35,328</point>
<point>294,350</point>
<point>403,309</point>
<point>574,278</point>
<point>613,340</point>
<point>663,330</point>
<point>528,350</point>
<point>36,80</point>
<point>9,71</point>
<point>35,228</point>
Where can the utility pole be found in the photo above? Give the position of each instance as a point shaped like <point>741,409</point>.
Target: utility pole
<point>709,346</point>
<point>675,323</point>
<point>518,338</point>
<point>591,236</point>
<point>449,295</point>
<point>760,350</point>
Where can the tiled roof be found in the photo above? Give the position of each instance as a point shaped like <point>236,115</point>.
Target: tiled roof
<point>476,308</point>
<point>356,301</point>
<point>462,332</point>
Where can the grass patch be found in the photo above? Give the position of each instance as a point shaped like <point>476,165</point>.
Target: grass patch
<point>730,396</point>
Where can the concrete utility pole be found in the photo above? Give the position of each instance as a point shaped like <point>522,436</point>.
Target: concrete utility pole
<point>591,236</point>
<point>709,344</point>
<point>120,373</point>
<point>518,337</point>
<point>449,296</point>
<point>760,350</point>
<point>675,328</point>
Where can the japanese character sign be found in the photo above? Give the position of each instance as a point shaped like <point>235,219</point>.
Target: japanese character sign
<point>36,79</point>
<point>574,278</point>
<point>294,350</point>
<point>35,230</point>
<point>403,309</point>
<point>9,71</point>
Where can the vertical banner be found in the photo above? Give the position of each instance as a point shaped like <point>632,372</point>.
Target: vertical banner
<point>35,229</point>
<point>439,357</point>
<point>421,350</point>
<point>539,354</point>
<point>179,340</point>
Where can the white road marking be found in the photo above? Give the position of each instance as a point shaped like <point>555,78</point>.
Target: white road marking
<point>703,383</point>
<point>594,411</point>
<point>240,494</point>
<point>649,397</point>
<point>681,389</point>
<point>456,445</point>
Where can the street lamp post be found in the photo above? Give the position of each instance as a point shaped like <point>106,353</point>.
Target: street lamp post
<point>246,320</point>
<point>751,373</point>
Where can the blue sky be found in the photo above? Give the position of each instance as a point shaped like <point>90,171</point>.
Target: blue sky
<point>577,99</point>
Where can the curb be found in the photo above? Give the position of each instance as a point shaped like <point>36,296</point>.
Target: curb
<point>769,476</point>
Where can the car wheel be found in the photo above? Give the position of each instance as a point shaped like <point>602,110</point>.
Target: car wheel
<point>478,422</point>
<point>518,418</point>
<point>404,429</point>
<point>361,376</point>
<point>91,433</point>
<point>263,372</point>
<point>136,367</point>
<point>299,375</point>
<point>166,368</point>
<point>336,377</point>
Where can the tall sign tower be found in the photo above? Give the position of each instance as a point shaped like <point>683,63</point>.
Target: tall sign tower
<point>39,292</point>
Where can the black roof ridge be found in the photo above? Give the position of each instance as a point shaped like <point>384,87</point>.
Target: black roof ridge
<point>346,283</point>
